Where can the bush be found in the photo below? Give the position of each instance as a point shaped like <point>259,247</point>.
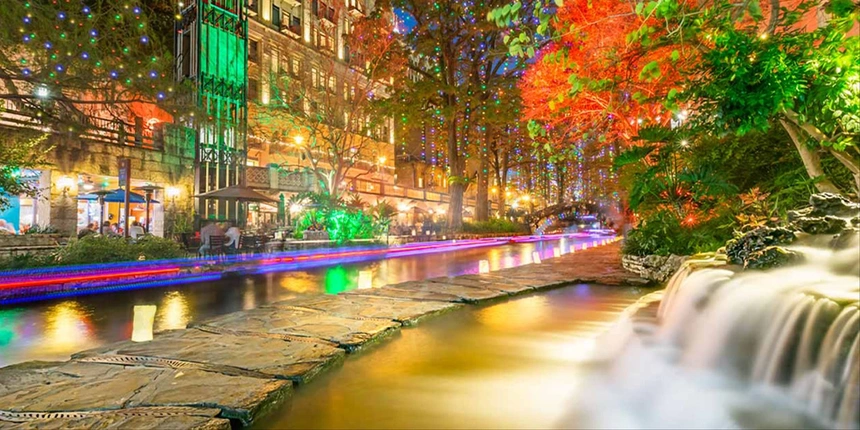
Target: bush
<point>664,234</point>
<point>25,261</point>
<point>494,225</point>
<point>157,248</point>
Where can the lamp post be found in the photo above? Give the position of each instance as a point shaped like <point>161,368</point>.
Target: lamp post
<point>101,200</point>
<point>148,190</point>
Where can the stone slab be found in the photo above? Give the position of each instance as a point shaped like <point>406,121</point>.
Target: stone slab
<point>170,418</point>
<point>75,386</point>
<point>425,290</point>
<point>265,322</point>
<point>406,312</point>
<point>480,281</point>
<point>223,353</point>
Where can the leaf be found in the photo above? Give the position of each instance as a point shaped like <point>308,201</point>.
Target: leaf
<point>675,55</point>
<point>559,3</point>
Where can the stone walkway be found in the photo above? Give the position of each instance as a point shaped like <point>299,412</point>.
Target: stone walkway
<point>239,366</point>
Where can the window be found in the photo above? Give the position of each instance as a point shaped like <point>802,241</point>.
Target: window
<point>276,16</point>
<point>332,83</point>
<point>254,51</point>
<point>296,67</point>
<point>253,89</point>
<point>315,77</point>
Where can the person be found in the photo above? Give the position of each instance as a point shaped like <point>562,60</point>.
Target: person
<point>89,229</point>
<point>231,238</point>
<point>135,230</point>
<point>211,229</point>
<point>6,228</point>
<point>107,230</point>
<point>116,229</point>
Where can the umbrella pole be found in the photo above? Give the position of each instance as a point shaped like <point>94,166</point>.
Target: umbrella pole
<point>102,217</point>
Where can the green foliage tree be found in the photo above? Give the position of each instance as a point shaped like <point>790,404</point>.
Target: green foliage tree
<point>19,150</point>
<point>64,60</point>
<point>463,72</point>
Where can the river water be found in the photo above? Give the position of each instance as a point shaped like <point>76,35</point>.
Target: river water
<point>513,364</point>
<point>55,329</point>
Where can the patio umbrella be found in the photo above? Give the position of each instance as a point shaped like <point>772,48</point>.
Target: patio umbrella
<point>237,192</point>
<point>115,196</point>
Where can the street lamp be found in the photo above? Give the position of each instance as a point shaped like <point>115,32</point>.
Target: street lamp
<point>42,92</point>
<point>65,184</point>
<point>148,190</point>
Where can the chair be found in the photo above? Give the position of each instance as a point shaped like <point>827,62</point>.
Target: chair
<point>216,246</point>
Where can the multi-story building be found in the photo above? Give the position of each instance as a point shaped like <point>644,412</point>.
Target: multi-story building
<point>307,41</point>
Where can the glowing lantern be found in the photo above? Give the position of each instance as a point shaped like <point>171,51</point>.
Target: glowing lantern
<point>144,318</point>
<point>365,280</point>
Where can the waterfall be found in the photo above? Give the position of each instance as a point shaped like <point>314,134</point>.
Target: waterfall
<point>746,348</point>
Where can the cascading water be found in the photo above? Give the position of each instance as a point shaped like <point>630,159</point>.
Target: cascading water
<point>731,348</point>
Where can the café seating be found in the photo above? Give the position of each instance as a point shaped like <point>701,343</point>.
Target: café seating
<point>216,246</point>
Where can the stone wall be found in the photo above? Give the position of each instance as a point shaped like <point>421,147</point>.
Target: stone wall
<point>173,165</point>
<point>28,244</point>
<point>656,268</point>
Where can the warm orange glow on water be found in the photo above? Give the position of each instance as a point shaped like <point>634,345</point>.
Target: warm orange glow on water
<point>515,364</point>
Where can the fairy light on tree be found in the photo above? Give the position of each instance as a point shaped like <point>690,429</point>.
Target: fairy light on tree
<point>65,59</point>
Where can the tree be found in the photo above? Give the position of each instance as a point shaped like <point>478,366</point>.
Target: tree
<point>462,70</point>
<point>330,115</point>
<point>735,66</point>
<point>19,151</point>
<point>764,66</point>
<point>65,61</point>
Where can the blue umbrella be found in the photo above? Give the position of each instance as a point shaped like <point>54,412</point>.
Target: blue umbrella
<point>116,196</point>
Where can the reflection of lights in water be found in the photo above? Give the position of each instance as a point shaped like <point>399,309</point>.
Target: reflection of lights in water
<point>9,320</point>
<point>174,312</point>
<point>518,314</point>
<point>336,280</point>
<point>300,282</point>
<point>249,300</point>
<point>66,326</point>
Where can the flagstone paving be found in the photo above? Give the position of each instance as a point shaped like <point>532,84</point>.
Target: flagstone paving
<point>233,369</point>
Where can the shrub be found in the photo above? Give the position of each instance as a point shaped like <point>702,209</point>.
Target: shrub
<point>24,261</point>
<point>105,249</point>
<point>662,233</point>
<point>494,225</point>
<point>157,248</point>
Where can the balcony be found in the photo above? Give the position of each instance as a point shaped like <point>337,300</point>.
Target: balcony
<point>355,8</point>
<point>252,7</point>
<point>270,178</point>
<point>292,26</point>
<point>324,12</point>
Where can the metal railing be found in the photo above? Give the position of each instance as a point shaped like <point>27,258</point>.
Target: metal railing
<point>91,128</point>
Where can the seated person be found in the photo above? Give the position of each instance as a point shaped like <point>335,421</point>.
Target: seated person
<point>135,230</point>
<point>211,229</point>
<point>231,239</point>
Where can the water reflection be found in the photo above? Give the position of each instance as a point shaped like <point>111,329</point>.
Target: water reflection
<point>172,312</point>
<point>515,364</point>
<point>52,330</point>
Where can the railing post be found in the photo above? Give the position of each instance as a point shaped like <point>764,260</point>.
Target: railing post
<point>138,131</point>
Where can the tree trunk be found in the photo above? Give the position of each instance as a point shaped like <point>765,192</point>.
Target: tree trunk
<point>811,160</point>
<point>482,194</point>
<point>852,165</point>
<point>456,187</point>
<point>560,181</point>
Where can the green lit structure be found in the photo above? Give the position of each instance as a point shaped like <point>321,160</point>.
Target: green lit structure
<point>211,50</point>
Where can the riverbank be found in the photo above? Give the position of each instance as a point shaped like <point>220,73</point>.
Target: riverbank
<point>239,366</point>
<point>27,285</point>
